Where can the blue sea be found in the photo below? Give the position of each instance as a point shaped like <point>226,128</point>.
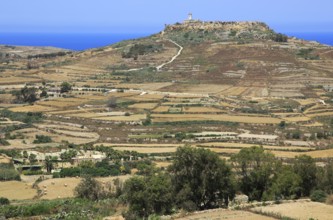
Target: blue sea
<point>321,37</point>
<point>82,41</point>
<point>72,41</point>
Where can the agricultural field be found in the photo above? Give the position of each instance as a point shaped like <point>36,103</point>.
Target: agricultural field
<point>224,214</point>
<point>302,210</point>
<point>16,190</point>
<point>64,187</point>
<point>158,118</point>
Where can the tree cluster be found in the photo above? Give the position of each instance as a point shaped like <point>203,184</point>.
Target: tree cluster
<point>199,179</point>
<point>26,94</point>
<point>280,38</point>
<point>140,49</point>
<point>49,55</point>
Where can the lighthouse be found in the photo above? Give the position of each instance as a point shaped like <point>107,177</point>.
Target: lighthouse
<point>189,17</point>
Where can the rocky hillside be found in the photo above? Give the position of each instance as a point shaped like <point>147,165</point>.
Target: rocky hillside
<point>198,31</point>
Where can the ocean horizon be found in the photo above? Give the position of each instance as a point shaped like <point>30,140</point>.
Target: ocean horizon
<point>83,41</point>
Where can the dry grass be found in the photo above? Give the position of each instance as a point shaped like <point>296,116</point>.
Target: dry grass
<point>162,163</point>
<point>218,214</point>
<point>143,105</point>
<point>63,102</point>
<point>135,117</point>
<point>233,91</point>
<point>302,210</point>
<point>241,145</point>
<point>296,119</point>
<point>147,97</point>
<point>15,190</point>
<point>161,109</point>
<point>200,88</point>
<point>313,115</point>
<point>315,154</point>
<point>148,150</point>
<point>64,187</point>
<point>201,110</point>
<point>76,111</point>
<point>315,124</point>
<point>17,80</point>
<point>144,86</point>
<point>32,108</point>
<point>306,101</point>
<point>4,159</point>
<point>208,117</point>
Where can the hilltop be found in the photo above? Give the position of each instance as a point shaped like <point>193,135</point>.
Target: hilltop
<point>249,56</point>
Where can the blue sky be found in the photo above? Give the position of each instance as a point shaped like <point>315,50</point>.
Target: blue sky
<point>149,16</point>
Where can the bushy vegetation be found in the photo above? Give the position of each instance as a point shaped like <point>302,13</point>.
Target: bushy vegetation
<point>26,117</point>
<point>62,209</point>
<point>4,142</point>
<point>147,195</point>
<point>318,196</point>
<point>42,139</point>
<point>65,87</point>
<point>280,37</point>
<point>196,180</point>
<point>201,180</point>
<point>104,168</point>
<point>89,188</point>
<point>308,54</point>
<point>26,94</point>
<point>8,172</point>
<point>49,55</point>
<point>140,49</point>
<point>4,201</point>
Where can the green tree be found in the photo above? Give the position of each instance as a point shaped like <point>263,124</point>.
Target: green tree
<point>68,155</point>
<point>305,167</point>
<point>44,93</point>
<point>287,184</point>
<point>4,201</point>
<point>256,169</point>
<point>49,164</point>
<point>26,94</point>
<point>65,87</point>
<point>89,188</point>
<point>325,177</point>
<point>148,195</point>
<point>32,158</point>
<point>201,179</point>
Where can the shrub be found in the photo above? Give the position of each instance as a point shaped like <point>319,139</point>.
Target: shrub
<point>4,142</point>
<point>89,188</point>
<point>4,201</point>
<point>42,139</point>
<point>8,172</point>
<point>318,196</point>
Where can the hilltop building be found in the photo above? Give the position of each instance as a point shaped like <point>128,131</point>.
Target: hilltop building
<point>190,19</point>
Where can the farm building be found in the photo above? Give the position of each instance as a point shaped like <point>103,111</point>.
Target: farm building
<point>258,138</point>
<point>214,135</point>
<point>93,156</point>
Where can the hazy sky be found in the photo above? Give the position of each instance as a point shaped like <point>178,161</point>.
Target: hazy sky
<point>148,16</point>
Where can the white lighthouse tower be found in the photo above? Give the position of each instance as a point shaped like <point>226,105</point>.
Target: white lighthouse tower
<point>190,18</point>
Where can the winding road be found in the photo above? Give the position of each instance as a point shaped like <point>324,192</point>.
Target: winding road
<point>163,64</point>
<point>173,58</point>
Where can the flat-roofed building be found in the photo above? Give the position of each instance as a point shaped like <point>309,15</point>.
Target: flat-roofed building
<point>258,138</point>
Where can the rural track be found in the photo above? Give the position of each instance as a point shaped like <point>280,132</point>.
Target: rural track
<point>166,63</point>
<point>174,57</point>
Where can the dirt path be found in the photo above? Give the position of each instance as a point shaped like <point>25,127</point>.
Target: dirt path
<point>173,58</point>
